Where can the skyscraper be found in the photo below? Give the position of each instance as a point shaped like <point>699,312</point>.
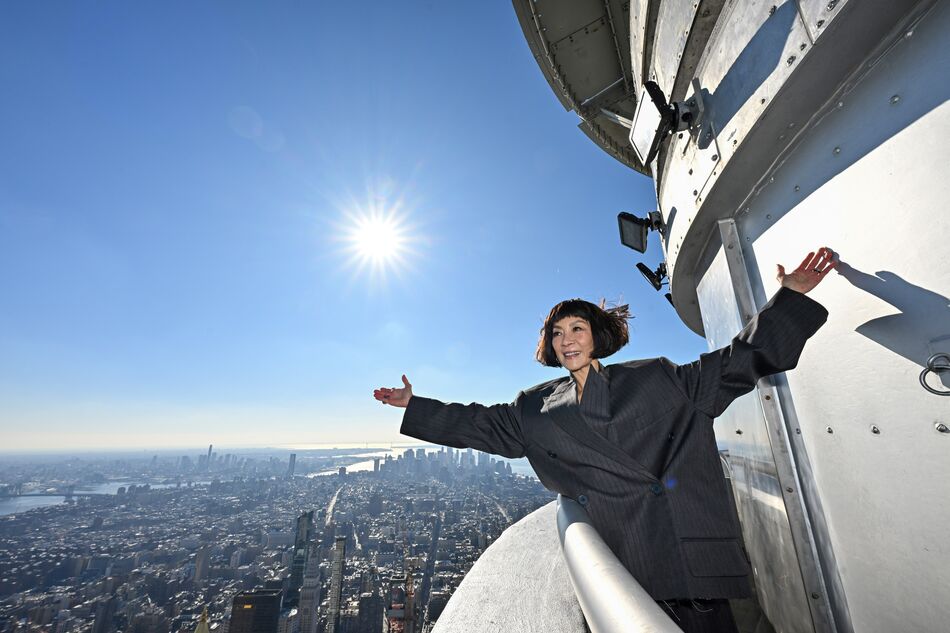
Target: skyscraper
<point>291,465</point>
<point>202,564</point>
<point>255,611</point>
<point>371,613</point>
<point>105,614</point>
<point>336,585</point>
<point>301,549</point>
<point>310,592</point>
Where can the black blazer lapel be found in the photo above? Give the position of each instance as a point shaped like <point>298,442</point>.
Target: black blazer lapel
<point>561,407</point>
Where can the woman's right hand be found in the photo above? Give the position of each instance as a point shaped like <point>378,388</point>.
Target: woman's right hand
<point>394,396</point>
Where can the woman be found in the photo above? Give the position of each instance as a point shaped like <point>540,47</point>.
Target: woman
<point>633,442</point>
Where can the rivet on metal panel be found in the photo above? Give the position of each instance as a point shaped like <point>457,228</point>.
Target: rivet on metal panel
<point>690,172</point>
<point>837,150</point>
<point>781,137</point>
<point>788,489</point>
<point>708,135</point>
<point>875,429</point>
<point>790,125</point>
<point>831,5</point>
<point>909,33</point>
<point>790,60</point>
<point>768,216</point>
<point>801,47</point>
<point>841,104</point>
<point>762,100</point>
<point>895,99</point>
<point>680,135</point>
<point>828,429</point>
<point>738,431</point>
<point>731,246</point>
<point>820,23</point>
<point>746,210</point>
<point>772,10</point>
<point>735,142</point>
<point>715,156</point>
<point>797,188</point>
<point>768,397</point>
<point>748,239</point>
<point>941,427</point>
<point>798,431</point>
<point>815,595</point>
<point>695,192</point>
<point>771,178</point>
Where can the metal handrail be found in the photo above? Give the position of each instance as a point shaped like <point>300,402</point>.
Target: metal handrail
<point>610,597</point>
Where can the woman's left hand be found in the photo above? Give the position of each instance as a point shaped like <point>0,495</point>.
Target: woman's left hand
<point>810,272</point>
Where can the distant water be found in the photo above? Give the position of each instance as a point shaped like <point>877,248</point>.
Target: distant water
<point>22,504</point>
<point>18,505</point>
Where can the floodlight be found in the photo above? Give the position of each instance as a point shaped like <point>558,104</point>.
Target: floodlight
<point>654,277</point>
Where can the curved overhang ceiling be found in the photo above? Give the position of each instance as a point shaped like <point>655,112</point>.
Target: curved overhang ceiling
<point>583,49</point>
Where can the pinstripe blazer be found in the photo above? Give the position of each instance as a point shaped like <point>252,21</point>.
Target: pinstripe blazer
<point>648,470</point>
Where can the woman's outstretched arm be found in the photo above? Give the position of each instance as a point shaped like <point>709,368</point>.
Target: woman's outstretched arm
<point>493,429</point>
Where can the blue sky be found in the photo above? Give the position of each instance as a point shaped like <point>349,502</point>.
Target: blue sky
<point>176,182</point>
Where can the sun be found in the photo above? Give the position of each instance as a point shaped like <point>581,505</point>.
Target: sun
<point>376,237</point>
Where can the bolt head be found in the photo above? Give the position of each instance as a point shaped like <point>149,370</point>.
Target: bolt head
<point>837,150</point>
<point>895,99</point>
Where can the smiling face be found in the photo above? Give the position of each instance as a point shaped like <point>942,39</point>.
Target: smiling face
<point>573,343</point>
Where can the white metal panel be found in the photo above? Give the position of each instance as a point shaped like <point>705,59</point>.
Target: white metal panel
<point>871,181</point>
<point>760,501</point>
<point>673,23</point>
<point>752,52</point>
<point>639,16</point>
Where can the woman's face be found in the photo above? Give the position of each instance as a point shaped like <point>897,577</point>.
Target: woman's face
<point>573,343</point>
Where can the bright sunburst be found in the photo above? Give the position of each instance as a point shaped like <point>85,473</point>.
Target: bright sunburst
<point>376,237</point>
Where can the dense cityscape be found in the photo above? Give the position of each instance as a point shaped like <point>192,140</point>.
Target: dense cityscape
<point>237,543</point>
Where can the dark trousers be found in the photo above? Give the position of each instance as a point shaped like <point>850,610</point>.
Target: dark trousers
<point>700,616</point>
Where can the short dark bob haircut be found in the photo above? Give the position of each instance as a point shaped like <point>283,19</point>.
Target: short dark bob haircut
<point>608,327</point>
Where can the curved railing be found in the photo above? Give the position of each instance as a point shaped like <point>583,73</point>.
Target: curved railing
<point>612,600</point>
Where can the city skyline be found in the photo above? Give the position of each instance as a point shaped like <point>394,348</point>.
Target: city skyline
<point>248,545</point>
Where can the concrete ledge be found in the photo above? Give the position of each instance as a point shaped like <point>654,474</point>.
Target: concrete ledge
<point>519,584</point>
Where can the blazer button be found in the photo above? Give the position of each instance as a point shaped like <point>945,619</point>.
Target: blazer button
<point>656,489</point>
<point>552,454</point>
<point>582,499</point>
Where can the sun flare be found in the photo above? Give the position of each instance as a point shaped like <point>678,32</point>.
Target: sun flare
<point>376,237</point>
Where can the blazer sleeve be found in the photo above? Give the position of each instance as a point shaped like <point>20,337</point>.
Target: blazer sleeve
<point>493,429</point>
<point>770,343</point>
